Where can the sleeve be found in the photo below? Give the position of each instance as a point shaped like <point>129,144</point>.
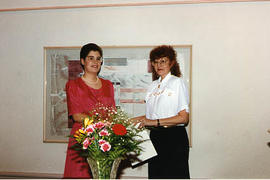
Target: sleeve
<point>183,97</point>
<point>73,99</point>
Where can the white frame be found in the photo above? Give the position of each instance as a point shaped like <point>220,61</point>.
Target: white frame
<point>50,134</point>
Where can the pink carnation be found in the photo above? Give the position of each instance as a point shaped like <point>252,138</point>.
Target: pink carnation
<point>86,143</point>
<point>104,132</point>
<point>99,125</point>
<point>90,129</point>
<point>100,142</point>
<point>105,147</point>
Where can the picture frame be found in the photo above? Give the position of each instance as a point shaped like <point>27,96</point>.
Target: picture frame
<point>119,3</point>
<point>120,66</point>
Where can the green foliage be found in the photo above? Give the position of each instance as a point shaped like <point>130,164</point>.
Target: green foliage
<point>109,145</point>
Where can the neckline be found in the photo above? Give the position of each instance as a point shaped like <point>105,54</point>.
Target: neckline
<point>101,80</point>
<point>86,81</point>
<point>167,77</point>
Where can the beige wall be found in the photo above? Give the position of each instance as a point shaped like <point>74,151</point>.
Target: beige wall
<point>230,80</point>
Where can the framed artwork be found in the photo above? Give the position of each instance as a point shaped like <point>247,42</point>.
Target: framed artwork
<point>127,67</point>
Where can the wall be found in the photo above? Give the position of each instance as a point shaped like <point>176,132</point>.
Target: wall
<point>230,80</point>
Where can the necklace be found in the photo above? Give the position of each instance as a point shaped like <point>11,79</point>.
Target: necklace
<point>90,82</point>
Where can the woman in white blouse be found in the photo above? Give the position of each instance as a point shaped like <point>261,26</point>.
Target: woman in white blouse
<point>167,111</point>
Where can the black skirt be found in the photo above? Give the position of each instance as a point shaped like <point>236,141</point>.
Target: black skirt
<point>172,147</point>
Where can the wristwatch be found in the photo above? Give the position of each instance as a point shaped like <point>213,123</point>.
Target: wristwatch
<point>158,123</point>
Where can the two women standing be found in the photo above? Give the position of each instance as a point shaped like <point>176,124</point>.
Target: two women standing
<point>167,111</point>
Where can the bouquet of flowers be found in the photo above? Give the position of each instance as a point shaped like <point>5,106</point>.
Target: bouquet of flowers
<point>106,135</point>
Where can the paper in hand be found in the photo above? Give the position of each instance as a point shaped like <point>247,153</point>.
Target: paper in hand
<point>148,150</point>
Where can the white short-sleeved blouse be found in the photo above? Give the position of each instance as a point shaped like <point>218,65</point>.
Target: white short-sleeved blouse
<point>166,98</point>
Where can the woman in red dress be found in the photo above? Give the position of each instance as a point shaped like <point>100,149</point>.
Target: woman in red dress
<point>83,94</point>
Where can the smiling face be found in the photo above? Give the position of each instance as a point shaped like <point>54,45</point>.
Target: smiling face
<point>162,66</point>
<point>92,62</point>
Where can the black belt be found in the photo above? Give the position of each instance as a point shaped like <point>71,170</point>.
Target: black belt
<point>164,127</point>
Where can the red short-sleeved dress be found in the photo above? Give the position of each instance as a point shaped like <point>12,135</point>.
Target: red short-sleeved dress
<point>81,99</point>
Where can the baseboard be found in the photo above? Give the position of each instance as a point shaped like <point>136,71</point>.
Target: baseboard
<point>30,175</point>
<point>34,175</point>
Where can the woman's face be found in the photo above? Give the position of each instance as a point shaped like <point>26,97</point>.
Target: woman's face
<point>92,62</point>
<point>162,66</point>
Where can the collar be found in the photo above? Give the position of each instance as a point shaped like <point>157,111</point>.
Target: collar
<point>165,79</point>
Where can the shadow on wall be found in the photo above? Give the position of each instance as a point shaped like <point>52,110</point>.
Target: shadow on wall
<point>268,142</point>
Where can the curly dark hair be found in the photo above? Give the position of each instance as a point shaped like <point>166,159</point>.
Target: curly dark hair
<point>86,49</point>
<point>170,53</point>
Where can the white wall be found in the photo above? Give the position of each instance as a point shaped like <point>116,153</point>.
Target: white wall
<point>230,80</point>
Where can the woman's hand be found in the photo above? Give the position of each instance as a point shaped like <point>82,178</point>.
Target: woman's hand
<point>140,121</point>
<point>79,117</point>
<point>143,121</point>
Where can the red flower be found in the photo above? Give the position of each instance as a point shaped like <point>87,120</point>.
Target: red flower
<point>119,129</point>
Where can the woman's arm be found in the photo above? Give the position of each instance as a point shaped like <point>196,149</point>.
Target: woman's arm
<point>181,118</point>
